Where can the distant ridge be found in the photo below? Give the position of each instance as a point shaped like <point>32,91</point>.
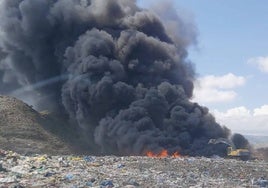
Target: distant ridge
<point>257,141</point>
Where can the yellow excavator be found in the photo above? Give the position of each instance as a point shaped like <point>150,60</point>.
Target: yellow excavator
<point>232,152</point>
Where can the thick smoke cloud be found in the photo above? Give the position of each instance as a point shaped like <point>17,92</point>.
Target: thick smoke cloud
<point>181,28</point>
<point>113,67</point>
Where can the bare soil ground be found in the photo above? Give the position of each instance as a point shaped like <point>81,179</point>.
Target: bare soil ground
<point>26,131</point>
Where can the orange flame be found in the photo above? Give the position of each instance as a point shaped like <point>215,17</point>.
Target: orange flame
<point>176,155</point>
<point>162,154</point>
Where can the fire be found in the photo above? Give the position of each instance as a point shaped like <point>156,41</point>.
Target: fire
<point>162,154</point>
<point>176,154</point>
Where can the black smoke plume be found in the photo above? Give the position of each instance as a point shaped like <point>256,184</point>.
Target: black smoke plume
<point>113,67</point>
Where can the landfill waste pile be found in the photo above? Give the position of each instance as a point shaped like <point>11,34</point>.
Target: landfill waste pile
<point>130,172</point>
<point>27,131</point>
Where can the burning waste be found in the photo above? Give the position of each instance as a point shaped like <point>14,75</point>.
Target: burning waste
<point>162,154</point>
<point>113,68</point>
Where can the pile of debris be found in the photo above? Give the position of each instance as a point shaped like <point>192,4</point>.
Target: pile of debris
<point>133,171</point>
<point>26,131</point>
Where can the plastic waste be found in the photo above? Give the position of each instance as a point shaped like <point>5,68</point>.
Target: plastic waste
<point>262,182</point>
<point>121,165</point>
<point>69,177</point>
<point>106,184</point>
<point>88,159</point>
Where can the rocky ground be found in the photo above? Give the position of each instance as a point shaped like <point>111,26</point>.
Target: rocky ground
<point>132,171</point>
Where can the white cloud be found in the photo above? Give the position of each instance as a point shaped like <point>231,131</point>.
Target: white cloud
<point>211,95</point>
<point>216,89</point>
<point>243,120</point>
<point>233,112</point>
<point>262,111</point>
<point>227,81</point>
<point>260,62</point>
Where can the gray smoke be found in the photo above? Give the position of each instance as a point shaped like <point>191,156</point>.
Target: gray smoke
<point>113,67</point>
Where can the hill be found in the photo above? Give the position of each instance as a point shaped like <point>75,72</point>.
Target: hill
<point>258,141</point>
<point>26,131</point>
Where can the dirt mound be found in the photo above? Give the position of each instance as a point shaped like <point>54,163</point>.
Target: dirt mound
<point>26,131</point>
<point>262,153</point>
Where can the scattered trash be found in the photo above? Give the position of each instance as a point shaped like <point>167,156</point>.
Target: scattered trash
<point>121,165</point>
<point>49,174</point>
<point>131,181</point>
<point>18,186</point>
<point>41,158</point>
<point>92,180</point>
<point>263,183</point>
<point>106,184</point>
<point>90,184</point>
<point>69,177</point>
<point>3,153</point>
<point>2,169</point>
<point>63,162</point>
<point>7,180</point>
<point>129,186</point>
<point>88,159</point>
<point>18,171</point>
<point>76,158</point>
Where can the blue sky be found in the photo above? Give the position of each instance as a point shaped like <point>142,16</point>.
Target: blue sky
<point>230,33</point>
<point>232,52</point>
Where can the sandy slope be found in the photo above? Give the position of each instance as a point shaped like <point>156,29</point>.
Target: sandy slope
<point>24,130</point>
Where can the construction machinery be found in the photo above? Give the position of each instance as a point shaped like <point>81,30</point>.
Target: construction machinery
<point>232,152</point>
